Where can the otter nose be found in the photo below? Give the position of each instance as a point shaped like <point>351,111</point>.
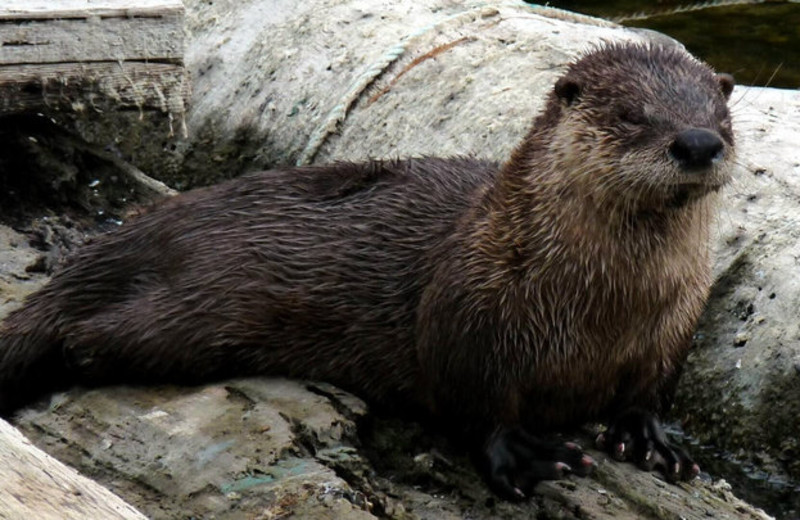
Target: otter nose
<point>696,148</point>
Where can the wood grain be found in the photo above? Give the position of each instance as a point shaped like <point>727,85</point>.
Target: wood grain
<point>35,485</point>
<point>52,9</point>
<point>94,87</point>
<point>71,30</point>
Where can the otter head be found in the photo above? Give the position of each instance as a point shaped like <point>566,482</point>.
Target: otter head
<point>644,125</point>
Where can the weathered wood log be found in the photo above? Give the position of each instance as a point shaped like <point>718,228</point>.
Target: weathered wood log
<point>93,86</point>
<point>35,485</point>
<point>77,55</point>
<point>43,9</point>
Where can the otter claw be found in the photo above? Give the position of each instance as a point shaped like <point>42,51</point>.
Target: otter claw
<point>516,461</point>
<point>563,468</point>
<point>600,441</point>
<point>619,451</point>
<point>638,436</point>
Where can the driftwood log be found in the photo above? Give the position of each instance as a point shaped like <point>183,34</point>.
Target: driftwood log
<point>35,485</point>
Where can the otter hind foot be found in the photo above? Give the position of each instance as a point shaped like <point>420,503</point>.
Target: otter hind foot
<point>638,437</point>
<point>515,461</point>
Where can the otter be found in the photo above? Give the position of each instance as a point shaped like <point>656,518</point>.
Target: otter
<point>513,300</point>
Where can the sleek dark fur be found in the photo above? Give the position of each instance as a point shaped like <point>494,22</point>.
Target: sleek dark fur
<point>558,288</point>
<point>308,272</point>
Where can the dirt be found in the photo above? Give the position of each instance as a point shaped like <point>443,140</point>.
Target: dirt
<point>56,192</point>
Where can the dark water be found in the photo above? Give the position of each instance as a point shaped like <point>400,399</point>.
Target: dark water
<point>759,43</point>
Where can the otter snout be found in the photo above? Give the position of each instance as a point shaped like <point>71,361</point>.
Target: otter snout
<point>696,148</point>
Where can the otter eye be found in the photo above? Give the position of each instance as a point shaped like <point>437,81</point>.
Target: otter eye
<point>632,117</point>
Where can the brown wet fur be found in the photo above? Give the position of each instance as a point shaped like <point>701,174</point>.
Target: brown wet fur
<point>557,288</point>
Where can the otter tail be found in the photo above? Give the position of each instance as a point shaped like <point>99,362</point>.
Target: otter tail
<point>31,360</point>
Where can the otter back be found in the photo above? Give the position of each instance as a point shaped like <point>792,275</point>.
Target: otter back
<point>312,272</point>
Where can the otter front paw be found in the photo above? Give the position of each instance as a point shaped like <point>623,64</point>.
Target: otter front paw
<point>637,436</point>
<point>515,461</point>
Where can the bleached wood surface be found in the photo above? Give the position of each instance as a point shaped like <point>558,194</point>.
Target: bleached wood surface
<point>87,54</point>
<point>37,486</point>
<point>92,39</point>
<point>33,9</point>
<point>94,86</point>
<point>83,31</point>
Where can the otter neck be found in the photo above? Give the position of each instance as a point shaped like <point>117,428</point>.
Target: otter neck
<point>535,207</point>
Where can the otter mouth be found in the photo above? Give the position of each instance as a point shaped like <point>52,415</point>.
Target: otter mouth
<point>684,194</point>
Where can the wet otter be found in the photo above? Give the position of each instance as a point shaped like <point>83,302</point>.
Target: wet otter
<point>515,299</point>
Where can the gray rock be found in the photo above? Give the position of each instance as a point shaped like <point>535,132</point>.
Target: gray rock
<point>236,450</point>
<point>740,392</point>
<point>16,279</point>
<point>270,448</point>
<point>336,79</point>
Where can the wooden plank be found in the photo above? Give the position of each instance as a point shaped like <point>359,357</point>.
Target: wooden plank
<point>94,87</point>
<point>92,55</point>
<point>52,9</point>
<point>35,485</point>
<point>92,39</point>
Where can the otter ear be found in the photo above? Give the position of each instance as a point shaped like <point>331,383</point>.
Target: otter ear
<point>726,83</point>
<point>567,90</point>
